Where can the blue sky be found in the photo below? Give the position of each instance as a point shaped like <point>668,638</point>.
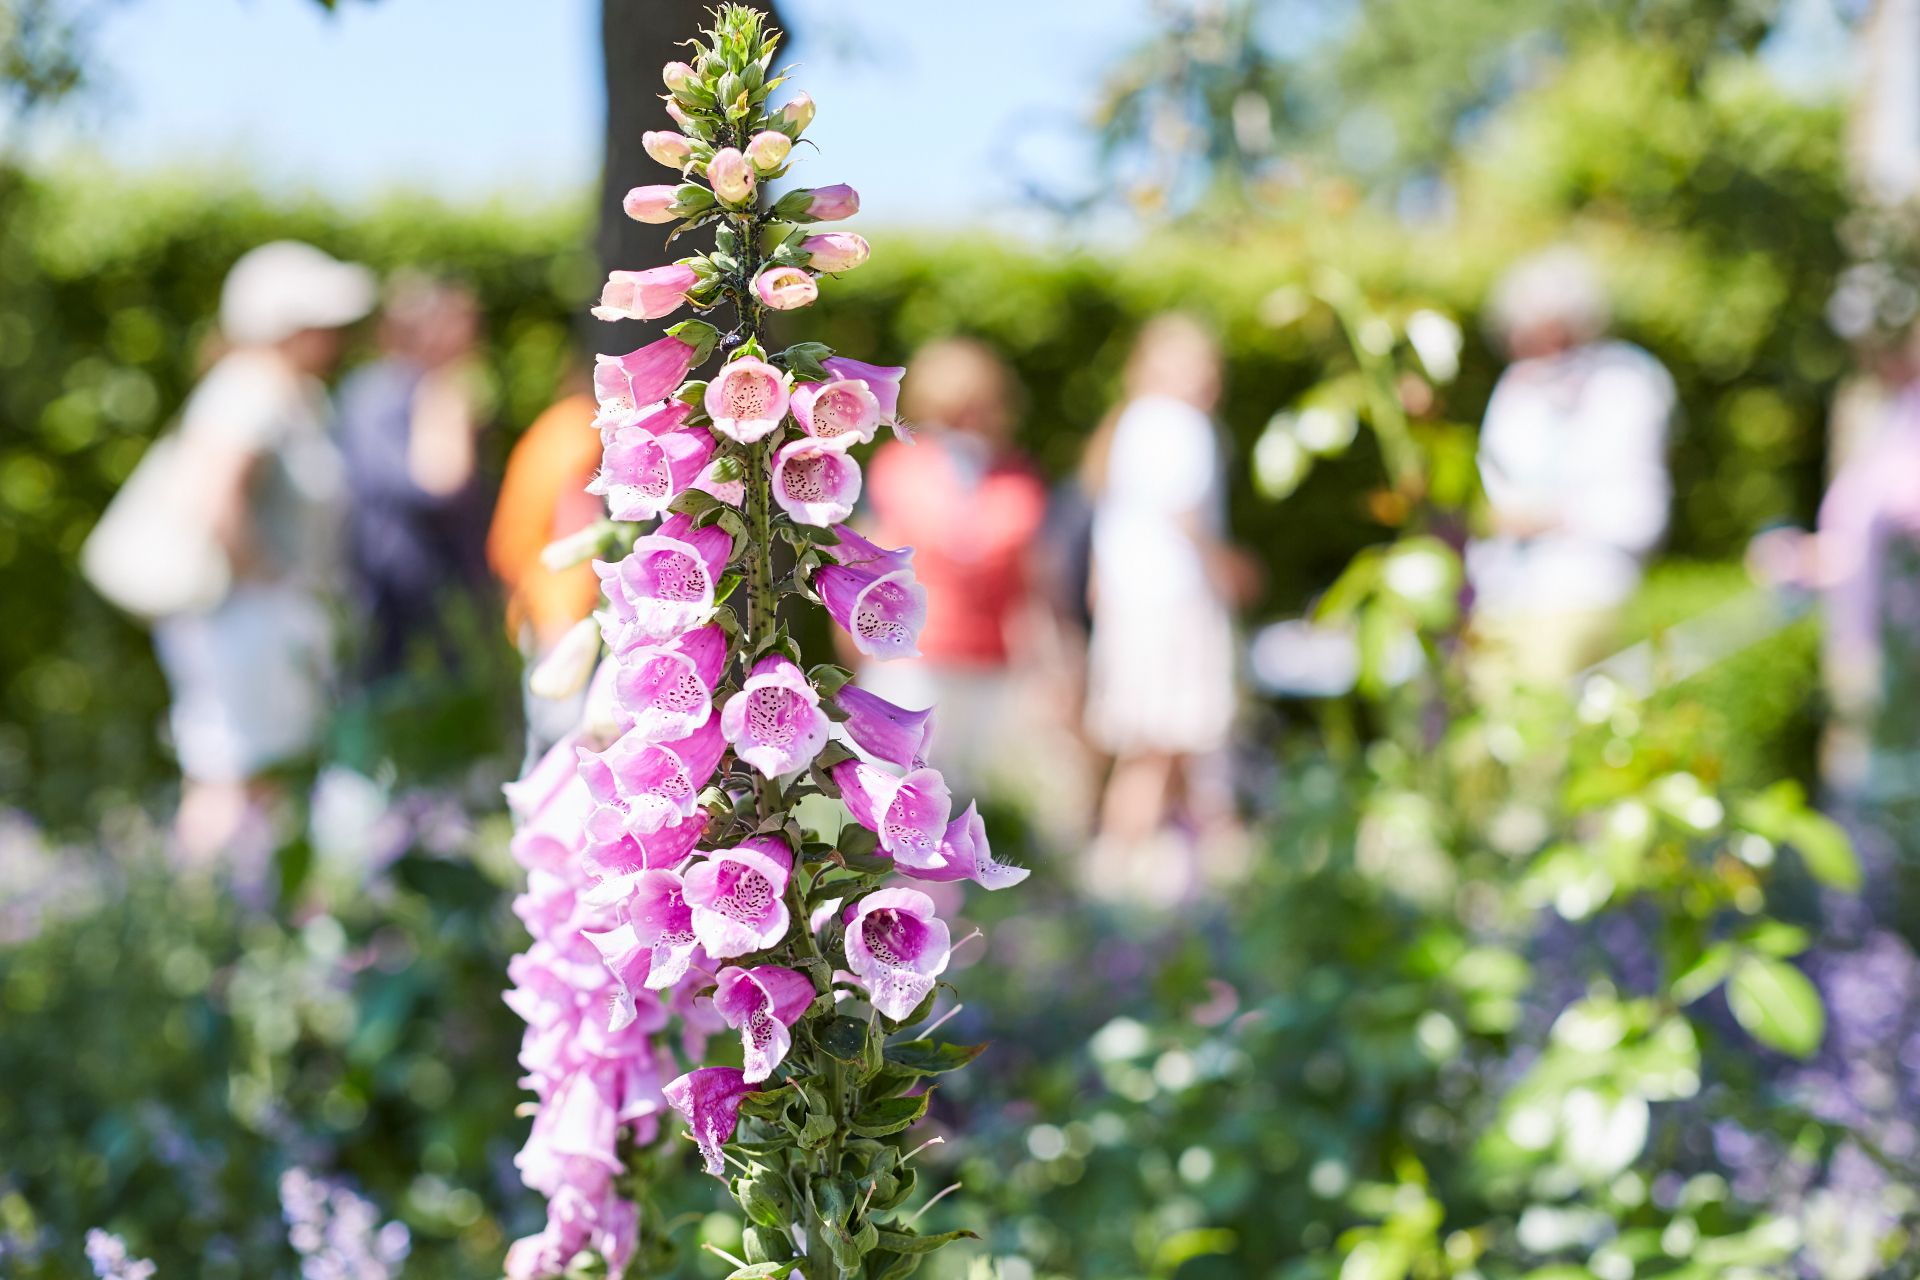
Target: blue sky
<point>922,104</point>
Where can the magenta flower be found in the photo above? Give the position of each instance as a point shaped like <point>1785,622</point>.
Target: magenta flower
<point>653,948</point>
<point>882,612</point>
<point>963,855</point>
<point>650,461</point>
<point>857,552</point>
<point>909,813</point>
<point>642,376</point>
<point>785,288</point>
<point>816,482</point>
<point>730,176</point>
<point>835,251</point>
<point>645,295</point>
<point>615,856</point>
<point>844,407</point>
<point>655,783</point>
<point>762,1002</point>
<point>669,148</point>
<point>665,586</point>
<point>666,691</point>
<point>881,379</point>
<point>653,204</point>
<point>747,399</point>
<point>710,1098</point>
<point>818,204</point>
<point>885,731</point>
<point>896,946</point>
<point>775,723</point>
<point>737,897</point>
<point>768,150</point>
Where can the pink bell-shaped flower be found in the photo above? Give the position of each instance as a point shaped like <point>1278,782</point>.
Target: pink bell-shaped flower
<point>963,855</point>
<point>655,783</point>
<point>650,460</point>
<point>775,723</point>
<point>709,1098</point>
<point>909,813</point>
<point>762,1002</point>
<point>785,288</point>
<point>841,409</point>
<point>665,586</point>
<point>882,612</point>
<point>643,375</point>
<point>645,295</point>
<point>835,251</point>
<point>881,379</point>
<point>747,399</point>
<point>856,552</point>
<point>816,482</point>
<point>666,691</point>
<point>885,731</point>
<point>897,947</point>
<point>738,897</point>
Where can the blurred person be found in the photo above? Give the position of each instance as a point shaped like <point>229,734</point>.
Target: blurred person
<point>248,674</point>
<point>971,506</point>
<point>407,430</point>
<point>543,498</point>
<point>1573,458</point>
<point>1162,693</point>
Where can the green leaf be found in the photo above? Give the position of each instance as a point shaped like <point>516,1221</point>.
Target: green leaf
<point>899,1267</point>
<point>890,1115</point>
<point>1706,973</point>
<point>1825,849</point>
<point>699,334</point>
<point>828,679</point>
<point>856,842</point>
<point>904,1240</point>
<point>1776,938</point>
<point>764,1270</point>
<point>818,1128</point>
<point>845,1038</point>
<point>925,1058</point>
<point>803,361</point>
<point>1777,1005</point>
<point>765,1104</point>
<point>728,582</point>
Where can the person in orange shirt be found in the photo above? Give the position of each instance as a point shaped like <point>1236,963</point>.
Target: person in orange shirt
<point>971,506</point>
<point>543,498</point>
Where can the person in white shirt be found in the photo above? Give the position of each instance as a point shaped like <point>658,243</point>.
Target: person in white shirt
<point>1573,458</point>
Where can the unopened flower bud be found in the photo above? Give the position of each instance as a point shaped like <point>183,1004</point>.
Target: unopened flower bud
<point>835,251</point>
<point>676,76</point>
<point>680,117</point>
<point>768,150</point>
<point>669,148</point>
<point>796,115</point>
<point>576,548</point>
<point>730,176</point>
<point>785,288</point>
<point>564,671</point>
<point>818,204</point>
<point>651,204</point>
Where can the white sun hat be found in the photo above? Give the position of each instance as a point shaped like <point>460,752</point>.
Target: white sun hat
<point>278,289</point>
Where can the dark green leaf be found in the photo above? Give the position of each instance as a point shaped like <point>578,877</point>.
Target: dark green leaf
<point>845,1038</point>
<point>924,1057</point>
<point>890,1115</point>
<point>905,1240</point>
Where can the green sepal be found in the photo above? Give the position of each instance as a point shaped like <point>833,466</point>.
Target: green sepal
<point>802,360</point>
<point>890,1115</point>
<point>728,582</point>
<point>766,1247</point>
<point>925,1058</point>
<point>904,1239</point>
<point>828,679</point>
<point>767,1104</point>
<point>764,1270</point>
<point>698,334</point>
<point>817,1129</point>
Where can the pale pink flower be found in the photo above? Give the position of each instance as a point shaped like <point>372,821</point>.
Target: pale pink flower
<point>816,482</point>
<point>669,148</point>
<point>649,459</point>
<point>649,373</point>
<point>963,854</point>
<point>762,1002</point>
<point>835,251</point>
<point>785,288</point>
<point>680,116</point>
<point>738,897</point>
<point>884,731</point>
<point>882,612</point>
<point>897,947</point>
<point>666,691</point>
<point>676,76</point>
<point>656,784</point>
<point>796,115</point>
<point>881,379</point>
<point>768,150</point>
<point>709,1098</point>
<point>818,204</point>
<point>730,176</point>
<point>651,204</point>
<point>665,586</point>
<point>747,399</point>
<point>908,812</point>
<point>775,723</point>
<point>645,295</point>
<point>831,410</point>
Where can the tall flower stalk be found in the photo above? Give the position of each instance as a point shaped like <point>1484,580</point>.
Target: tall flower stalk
<point>663,839</point>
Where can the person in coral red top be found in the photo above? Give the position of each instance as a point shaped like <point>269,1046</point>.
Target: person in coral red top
<point>971,507</point>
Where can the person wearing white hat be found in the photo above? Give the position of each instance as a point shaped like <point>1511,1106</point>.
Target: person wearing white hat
<point>248,664</point>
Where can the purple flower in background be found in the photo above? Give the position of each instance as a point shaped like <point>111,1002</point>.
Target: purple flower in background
<point>885,731</point>
<point>710,1098</point>
<point>775,723</point>
<point>737,897</point>
<point>762,1002</point>
<point>665,587</point>
<point>909,813</point>
<point>896,946</point>
<point>666,691</point>
<point>107,1254</point>
<point>337,1232</point>
<point>816,482</point>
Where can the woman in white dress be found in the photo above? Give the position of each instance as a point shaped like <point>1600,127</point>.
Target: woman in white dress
<point>1161,688</point>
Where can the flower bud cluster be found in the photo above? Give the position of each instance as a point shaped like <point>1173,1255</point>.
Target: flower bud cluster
<point>670,878</point>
